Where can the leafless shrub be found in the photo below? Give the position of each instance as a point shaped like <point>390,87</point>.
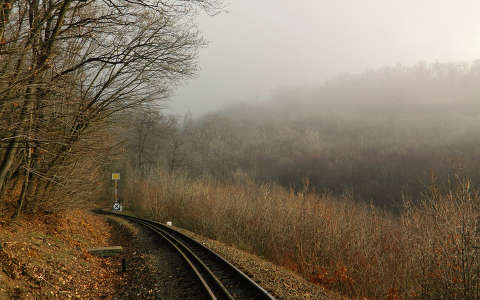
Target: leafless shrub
<point>444,240</point>
<point>358,250</point>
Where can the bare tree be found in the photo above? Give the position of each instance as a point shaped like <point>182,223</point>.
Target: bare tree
<point>67,66</point>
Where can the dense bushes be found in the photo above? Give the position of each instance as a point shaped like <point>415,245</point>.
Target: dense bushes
<point>429,252</point>
<point>371,161</point>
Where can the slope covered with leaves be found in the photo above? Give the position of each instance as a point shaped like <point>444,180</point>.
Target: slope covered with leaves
<point>47,258</point>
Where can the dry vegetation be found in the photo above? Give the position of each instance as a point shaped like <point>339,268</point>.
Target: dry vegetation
<point>429,252</point>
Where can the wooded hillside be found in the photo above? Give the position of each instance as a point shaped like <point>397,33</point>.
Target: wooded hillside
<point>376,135</point>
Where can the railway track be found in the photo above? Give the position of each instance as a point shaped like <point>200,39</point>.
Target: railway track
<point>219,278</point>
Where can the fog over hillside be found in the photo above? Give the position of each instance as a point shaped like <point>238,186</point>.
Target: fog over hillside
<point>259,47</point>
<point>380,134</point>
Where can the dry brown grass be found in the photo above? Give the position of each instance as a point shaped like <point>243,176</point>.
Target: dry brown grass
<point>427,253</point>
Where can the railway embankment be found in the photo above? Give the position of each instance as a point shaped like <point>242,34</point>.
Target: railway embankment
<point>162,273</point>
<point>48,258</point>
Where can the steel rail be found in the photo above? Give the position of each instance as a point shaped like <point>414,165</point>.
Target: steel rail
<point>182,248</point>
<point>174,237</point>
<point>204,283</point>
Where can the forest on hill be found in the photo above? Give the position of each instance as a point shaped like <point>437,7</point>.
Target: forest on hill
<point>379,135</point>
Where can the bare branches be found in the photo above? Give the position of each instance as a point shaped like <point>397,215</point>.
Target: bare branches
<point>66,67</point>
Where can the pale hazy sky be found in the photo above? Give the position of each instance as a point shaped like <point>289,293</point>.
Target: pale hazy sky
<point>263,45</point>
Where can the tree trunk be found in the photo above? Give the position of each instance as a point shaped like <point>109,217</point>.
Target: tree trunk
<point>7,163</point>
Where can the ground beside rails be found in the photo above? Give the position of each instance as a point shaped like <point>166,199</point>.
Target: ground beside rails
<point>219,278</point>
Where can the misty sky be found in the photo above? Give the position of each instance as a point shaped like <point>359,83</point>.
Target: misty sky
<point>263,45</point>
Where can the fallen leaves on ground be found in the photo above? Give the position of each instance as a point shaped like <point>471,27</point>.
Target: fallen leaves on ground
<point>47,258</point>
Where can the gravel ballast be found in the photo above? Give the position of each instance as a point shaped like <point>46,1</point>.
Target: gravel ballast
<point>155,271</point>
<point>279,282</point>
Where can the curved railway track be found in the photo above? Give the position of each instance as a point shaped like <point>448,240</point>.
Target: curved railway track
<point>219,278</point>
